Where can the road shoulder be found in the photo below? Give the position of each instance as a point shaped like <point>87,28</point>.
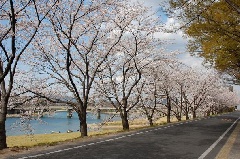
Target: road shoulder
<point>231,148</point>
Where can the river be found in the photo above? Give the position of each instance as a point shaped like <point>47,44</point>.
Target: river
<point>58,122</point>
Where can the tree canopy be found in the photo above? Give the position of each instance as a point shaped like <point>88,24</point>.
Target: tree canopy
<point>214,31</point>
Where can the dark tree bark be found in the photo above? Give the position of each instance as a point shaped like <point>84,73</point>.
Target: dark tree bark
<point>124,115</point>
<point>83,128</point>
<point>3,142</point>
<point>169,108</point>
<point>82,115</point>
<point>125,123</point>
<point>4,97</point>
<point>186,112</point>
<point>150,121</point>
<point>194,114</point>
<point>179,117</point>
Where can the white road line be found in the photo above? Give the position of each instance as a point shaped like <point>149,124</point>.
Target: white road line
<point>109,140</point>
<point>48,153</point>
<point>58,151</point>
<point>217,141</point>
<point>99,142</point>
<point>121,137</point>
<point>79,146</point>
<point>117,138</point>
<point>130,135</point>
<point>32,156</point>
<point>38,155</point>
<point>67,149</point>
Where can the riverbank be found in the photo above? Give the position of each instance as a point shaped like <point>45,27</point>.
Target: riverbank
<point>25,141</point>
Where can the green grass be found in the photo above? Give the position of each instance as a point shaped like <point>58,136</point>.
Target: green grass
<point>25,141</point>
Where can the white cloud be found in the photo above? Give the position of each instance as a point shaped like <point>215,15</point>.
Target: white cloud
<point>150,3</point>
<point>175,41</point>
<point>191,61</point>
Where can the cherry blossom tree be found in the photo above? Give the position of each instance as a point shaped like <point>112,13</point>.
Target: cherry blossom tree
<point>151,101</point>
<point>218,99</point>
<point>167,86</point>
<point>199,92</point>
<point>185,90</point>
<point>20,22</point>
<point>179,80</point>
<point>78,40</point>
<point>148,99</point>
<point>119,79</point>
<point>204,85</point>
<point>159,93</point>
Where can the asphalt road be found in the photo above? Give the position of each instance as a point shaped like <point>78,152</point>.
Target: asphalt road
<point>186,140</point>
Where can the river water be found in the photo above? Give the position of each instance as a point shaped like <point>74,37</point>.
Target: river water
<point>58,122</point>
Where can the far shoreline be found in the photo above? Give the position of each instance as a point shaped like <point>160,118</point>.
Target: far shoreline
<point>58,110</point>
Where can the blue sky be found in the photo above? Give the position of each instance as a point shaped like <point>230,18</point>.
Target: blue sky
<point>176,39</point>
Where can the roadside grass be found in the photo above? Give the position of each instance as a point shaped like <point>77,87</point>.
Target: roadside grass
<point>28,141</point>
<point>39,139</point>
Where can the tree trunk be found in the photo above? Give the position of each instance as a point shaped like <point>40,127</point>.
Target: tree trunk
<point>194,114</point>
<point>186,113</point>
<point>179,117</point>
<point>168,110</point>
<point>4,97</point>
<point>187,117</point>
<point>83,128</point>
<point>3,113</point>
<point>181,105</point>
<point>83,123</point>
<point>212,110</point>
<point>124,118</point>
<point>208,113</point>
<point>125,124</point>
<point>150,121</point>
<point>3,142</point>
<point>168,115</point>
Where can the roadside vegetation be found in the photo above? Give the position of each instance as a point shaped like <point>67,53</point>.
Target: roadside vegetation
<point>28,141</point>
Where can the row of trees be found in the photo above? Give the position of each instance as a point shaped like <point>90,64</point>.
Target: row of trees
<point>76,52</point>
<point>166,88</point>
<point>176,90</point>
